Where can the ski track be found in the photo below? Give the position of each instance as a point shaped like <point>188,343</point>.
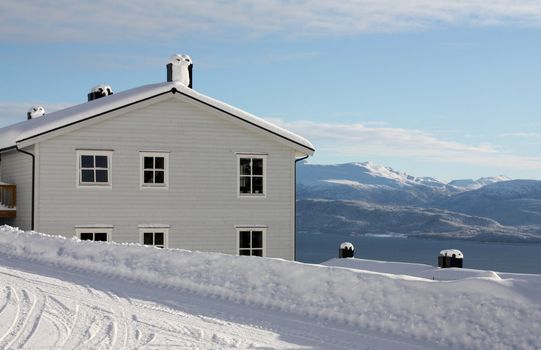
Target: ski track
<point>48,313</point>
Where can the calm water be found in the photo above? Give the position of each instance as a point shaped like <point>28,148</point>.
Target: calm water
<point>316,248</point>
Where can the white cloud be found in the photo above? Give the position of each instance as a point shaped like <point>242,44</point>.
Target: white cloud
<point>361,141</point>
<point>101,20</point>
<point>535,135</point>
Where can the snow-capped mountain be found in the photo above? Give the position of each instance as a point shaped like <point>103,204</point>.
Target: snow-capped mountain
<point>469,184</point>
<point>366,173</point>
<point>368,182</point>
<point>489,208</point>
<point>514,202</point>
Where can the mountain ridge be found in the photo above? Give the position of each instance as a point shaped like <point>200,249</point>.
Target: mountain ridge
<point>386,200</point>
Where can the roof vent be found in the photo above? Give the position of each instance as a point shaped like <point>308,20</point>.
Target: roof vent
<point>35,112</point>
<point>179,68</point>
<point>99,91</point>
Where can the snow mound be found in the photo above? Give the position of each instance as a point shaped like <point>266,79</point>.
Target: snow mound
<point>470,313</point>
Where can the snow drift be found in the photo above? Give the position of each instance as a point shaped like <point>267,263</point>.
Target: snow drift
<point>473,313</point>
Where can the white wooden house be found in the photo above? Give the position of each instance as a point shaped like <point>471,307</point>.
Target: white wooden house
<point>159,164</point>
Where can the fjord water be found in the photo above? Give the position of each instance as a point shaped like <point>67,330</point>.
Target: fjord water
<point>502,257</point>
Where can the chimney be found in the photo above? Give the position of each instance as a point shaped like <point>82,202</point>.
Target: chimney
<point>35,112</point>
<point>179,68</point>
<point>99,91</point>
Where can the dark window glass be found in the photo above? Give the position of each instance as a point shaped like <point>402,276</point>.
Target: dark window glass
<point>244,252</point>
<point>148,238</point>
<point>257,183</point>
<point>149,162</point>
<point>87,175</point>
<point>158,238</point>
<point>87,236</point>
<point>257,166</point>
<point>257,239</point>
<point>148,177</point>
<point>245,166</point>
<point>101,161</point>
<point>245,186</point>
<point>100,236</point>
<point>87,161</point>
<point>101,176</point>
<point>257,252</point>
<point>244,239</point>
<point>159,163</point>
<point>159,177</point>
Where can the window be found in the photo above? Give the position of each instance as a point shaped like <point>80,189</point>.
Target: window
<point>157,237</point>
<point>154,169</point>
<point>251,241</point>
<point>251,175</point>
<point>94,234</point>
<point>94,168</point>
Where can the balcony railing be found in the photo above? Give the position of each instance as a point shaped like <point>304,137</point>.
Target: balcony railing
<point>8,200</point>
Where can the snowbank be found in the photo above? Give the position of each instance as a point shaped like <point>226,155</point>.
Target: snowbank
<point>474,313</point>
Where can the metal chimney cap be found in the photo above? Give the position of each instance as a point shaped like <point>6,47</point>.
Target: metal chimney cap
<point>104,90</point>
<point>178,59</point>
<point>35,112</point>
<point>450,252</point>
<point>346,245</point>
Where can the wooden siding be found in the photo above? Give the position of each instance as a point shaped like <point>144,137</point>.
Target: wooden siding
<point>201,204</point>
<point>17,170</point>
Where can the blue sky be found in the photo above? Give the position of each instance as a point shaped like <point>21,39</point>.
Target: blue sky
<point>449,89</point>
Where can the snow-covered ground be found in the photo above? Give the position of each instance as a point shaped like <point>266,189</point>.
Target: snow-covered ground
<point>63,293</point>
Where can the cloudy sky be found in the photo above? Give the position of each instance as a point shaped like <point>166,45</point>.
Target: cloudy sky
<point>449,89</point>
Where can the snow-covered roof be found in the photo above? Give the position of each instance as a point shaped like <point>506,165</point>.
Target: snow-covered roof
<point>12,135</point>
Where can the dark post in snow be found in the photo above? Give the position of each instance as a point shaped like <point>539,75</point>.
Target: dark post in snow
<point>450,258</point>
<point>346,250</point>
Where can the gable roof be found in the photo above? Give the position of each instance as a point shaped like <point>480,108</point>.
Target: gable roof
<point>28,130</point>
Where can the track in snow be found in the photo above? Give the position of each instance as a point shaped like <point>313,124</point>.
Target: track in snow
<point>43,308</point>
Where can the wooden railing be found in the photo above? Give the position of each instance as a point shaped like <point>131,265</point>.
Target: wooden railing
<point>8,200</point>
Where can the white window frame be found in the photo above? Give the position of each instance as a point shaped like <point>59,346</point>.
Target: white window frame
<point>94,184</point>
<point>142,184</point>
<point>251,229</point>
<point>154,229</point>
<point>251,156</point>
<point>94,230</point>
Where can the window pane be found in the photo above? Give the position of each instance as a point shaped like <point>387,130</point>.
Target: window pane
<point>87,161</point>
<point>245,166</point>
<point>257,183</point>
<point>148,177</point>
<point>257,239</point>
<point>148,238</point>
<point>159,177</point>
<point>87,236</point>
<point>100,236</point>
<point>158,238</point>
<point>257,252</point>
<point>245,186</point>
<point>149,163</point>
<point>257,166</point>
<point>244,252</point>
<point>159,163</point>
<point>244,239</point>
<point>101,161</point>
<point>101,176</point>
<point>87,175</point>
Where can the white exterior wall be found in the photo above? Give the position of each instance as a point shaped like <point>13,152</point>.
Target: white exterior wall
<point>17,169</point>
<point>201,205</point>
